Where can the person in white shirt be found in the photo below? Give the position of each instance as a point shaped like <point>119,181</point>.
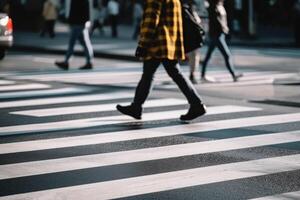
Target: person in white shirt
<point>113,13</point>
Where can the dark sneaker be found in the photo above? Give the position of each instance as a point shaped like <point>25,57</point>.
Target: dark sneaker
<point>62,65</point>
<point>237,77</point>
<point>133,111</point>
<point>195,111</point>
<point>87,66</point>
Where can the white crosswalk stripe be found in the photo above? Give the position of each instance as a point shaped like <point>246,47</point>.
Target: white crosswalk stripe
<point>39,93</point>
<point>121,78</point>
<point>6,82</point>
<point>63,100</point>
<point>24,87</point>
<point>168,181</point>
<point>116,158</point>
<point>100,121</point>
<point>20,169</point>
<point>95,108</point>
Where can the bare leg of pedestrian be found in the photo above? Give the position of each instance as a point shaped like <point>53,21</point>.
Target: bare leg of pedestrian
<point>193,60</point>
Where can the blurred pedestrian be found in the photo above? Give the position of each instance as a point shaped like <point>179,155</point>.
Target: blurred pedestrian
<point>297,22</point>
<point>218,29</point>
<point>137,18</point>
<point>97,17</point>
<point>5,6</point>
<point>161,42</point>
<point>50,13</point>
<point>192,43</point>
<point>78,14</point>
<point>113,14</point>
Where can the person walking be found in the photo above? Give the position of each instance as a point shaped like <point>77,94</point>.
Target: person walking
<point>113,13</point>
<point>137,18</point>
<point>98,20</point>
<point>78,14</point>
<point>161,42</point>
<point>50,14</point>
<point>297,22</point>
<point>218,29</point>
<point>192,47</point>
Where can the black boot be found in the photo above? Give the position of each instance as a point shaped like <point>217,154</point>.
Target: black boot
<point>87,66</point>
<point>62,65</point>
<point>131,110</point>
<point>196,110</point>
<point>237,77</point>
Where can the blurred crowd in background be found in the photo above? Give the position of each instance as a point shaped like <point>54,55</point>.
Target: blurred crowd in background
<point>246,18</point>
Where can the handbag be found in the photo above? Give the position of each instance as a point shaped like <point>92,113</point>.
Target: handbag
<point>193,32</point>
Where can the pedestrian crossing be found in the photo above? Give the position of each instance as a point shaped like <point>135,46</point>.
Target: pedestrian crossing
<point>130,78</point>
<point>153,156</point>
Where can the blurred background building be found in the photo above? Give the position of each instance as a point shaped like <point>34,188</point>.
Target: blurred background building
<point>247,18</point>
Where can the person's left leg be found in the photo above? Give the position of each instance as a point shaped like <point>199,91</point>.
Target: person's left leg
<point>197,108</point>
<point>85,41</point>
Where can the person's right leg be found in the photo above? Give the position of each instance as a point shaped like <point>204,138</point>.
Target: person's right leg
<point>193,60</point>
<point>142,91</point>
<point>223,47</point>
<point>51,28</point>
<point>211,48</point>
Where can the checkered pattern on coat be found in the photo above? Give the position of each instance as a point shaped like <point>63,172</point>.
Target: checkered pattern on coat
<point>161,30</point>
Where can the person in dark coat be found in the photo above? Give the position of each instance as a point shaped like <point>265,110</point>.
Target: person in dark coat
<point>161,42</point>
<point>218,29</point>
<point>78,17</point>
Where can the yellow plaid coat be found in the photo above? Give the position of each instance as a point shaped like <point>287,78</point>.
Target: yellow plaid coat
<point>161,30</point>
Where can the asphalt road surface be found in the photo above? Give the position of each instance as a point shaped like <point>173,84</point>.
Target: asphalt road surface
<point>61,137</point>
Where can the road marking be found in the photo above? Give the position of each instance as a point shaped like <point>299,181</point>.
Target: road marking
<point>167,181</point>
<point>116,158</point>
<point>6,82</point>
<point>95,108</point>
<point>24,87</point>
<point>100,121</point>
<point>69,99</point>
<point>37,93</point>
<point>285,196</point>
<point>44,60</point>
<point>145,133</point>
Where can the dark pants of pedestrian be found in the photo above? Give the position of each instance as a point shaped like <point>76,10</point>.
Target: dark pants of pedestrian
<point>97,24</point>
<point>81,33</point>
<point>114,25</point>
<point>297,32</point>
<point>171,66</point>
<point>220,42</point>
<point>48,28</point>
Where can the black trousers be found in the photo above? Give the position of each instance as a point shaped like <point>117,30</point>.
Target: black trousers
<point>171,66</point>
<point>114,25</point>
<point>48,28</point>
